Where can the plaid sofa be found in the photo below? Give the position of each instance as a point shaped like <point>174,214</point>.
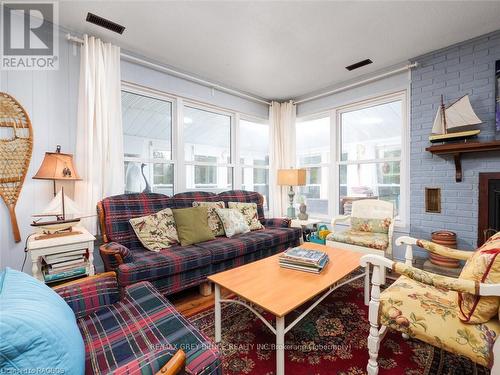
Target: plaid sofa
<point>177,268</point>
<point>135,331</point>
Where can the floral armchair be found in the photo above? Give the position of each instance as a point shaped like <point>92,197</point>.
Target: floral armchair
<point>432,308</point>
<point>371,229</point>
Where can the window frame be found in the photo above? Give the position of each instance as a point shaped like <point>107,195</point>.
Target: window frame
<point>178,161</point>
<point>333,165</point>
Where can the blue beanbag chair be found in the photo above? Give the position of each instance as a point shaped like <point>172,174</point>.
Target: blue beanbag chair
<point>38,330</point>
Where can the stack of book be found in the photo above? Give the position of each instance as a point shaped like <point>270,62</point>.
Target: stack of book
<point>304,259</point>
<point>65,265</point>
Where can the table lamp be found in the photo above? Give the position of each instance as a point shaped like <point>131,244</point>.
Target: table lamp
<point>291,177</point>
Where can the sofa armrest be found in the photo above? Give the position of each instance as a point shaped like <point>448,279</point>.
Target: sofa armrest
<point>89,294</point>
<point>113,254</point>
<point>277,222</point>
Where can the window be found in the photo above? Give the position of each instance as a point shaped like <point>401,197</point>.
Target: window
<point>254,157</point>
<point>370,155</point>
<point>147,138</point>
<point>313,154</point>
<point>207,150</point>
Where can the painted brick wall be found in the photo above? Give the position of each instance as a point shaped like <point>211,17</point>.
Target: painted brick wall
<point>465,68</point>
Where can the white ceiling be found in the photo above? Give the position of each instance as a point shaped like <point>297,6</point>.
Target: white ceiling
<point>279,49</point>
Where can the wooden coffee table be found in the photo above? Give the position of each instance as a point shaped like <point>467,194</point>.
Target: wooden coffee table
<point>280,291</point>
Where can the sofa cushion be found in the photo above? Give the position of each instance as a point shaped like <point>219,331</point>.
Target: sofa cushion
<point>119,209</point>
<point>156,231</point>
<point>148,265</point>
<point>214,221</point>
<point>192,225</point>
<point>422,311</point>
<point>38,330</point>
<point>379,241</point>
<point>143,321</point>
<point>245,197</point>
<point>249,211</point>
<point>239,245</point>
<point>483,267</point>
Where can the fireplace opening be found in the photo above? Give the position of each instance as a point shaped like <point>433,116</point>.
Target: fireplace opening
<point>489,206</point>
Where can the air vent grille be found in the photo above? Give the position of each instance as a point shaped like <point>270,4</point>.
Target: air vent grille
<point>358,64</point>
<point>103,22</point>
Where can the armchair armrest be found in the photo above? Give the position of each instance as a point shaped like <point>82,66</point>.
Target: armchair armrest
<point>276,222</point>
<point>89,294</point>
<point>161,361</point>
<point>340,219</point>
<point>113,254</point>
<point>443,282</point>
<point>434,248</point>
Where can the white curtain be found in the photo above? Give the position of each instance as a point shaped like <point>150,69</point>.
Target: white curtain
<point>99,137</point>
<point>282,120</point>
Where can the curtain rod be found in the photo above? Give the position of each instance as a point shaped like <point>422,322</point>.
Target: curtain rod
<point>358,83</point>
<point>176,73</point>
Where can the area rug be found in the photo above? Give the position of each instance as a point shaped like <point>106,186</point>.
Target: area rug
<point>330,340</point>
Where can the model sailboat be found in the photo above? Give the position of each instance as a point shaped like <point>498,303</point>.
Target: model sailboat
<point>455,122</point>
<point>63,210</point>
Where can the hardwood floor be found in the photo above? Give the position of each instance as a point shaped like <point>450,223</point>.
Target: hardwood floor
<point>190,301</point>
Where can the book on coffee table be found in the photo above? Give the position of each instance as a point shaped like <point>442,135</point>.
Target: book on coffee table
<point>304,259</point>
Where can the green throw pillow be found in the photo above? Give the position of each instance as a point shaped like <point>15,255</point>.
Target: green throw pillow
<point>192,225</point>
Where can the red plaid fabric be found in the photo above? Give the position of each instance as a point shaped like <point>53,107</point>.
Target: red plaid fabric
<point>277,222</point>
<point>132,330</point>
<point>119,209</point>
<point>147,364</point>
<point>90,294</point>
<point>183,200</point>
<point>180,281</point>
<point>150,265</point>
<point>109,259</point>
<point>245,197</point>
<point>226,248</point>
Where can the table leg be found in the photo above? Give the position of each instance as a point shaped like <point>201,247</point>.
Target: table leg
<point>218,327</point>
<point>280,345</point>
<point>367,284</point>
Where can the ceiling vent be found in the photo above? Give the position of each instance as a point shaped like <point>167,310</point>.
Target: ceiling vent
<point>103,22</point>
<point>358,64</point>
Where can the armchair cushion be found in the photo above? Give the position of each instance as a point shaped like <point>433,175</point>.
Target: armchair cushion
<point>371,225</point>
<point>421,311</point>
<point>379,241</point>
<point>484,267</point>
<point>92,293</point>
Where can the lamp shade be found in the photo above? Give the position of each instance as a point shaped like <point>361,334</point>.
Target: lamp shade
<point>57,166</point>
<point>291,177</point>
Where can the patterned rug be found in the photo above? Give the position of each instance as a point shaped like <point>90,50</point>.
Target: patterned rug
<point>331,339</point>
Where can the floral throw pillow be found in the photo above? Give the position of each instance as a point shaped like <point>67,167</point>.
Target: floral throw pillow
<point>249,211</point>
<point>234,222</point>
<point>214,221</point>
<point>156,231</point>
<point>371,225</point>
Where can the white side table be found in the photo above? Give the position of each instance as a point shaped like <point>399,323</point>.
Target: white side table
<point>296,223</point>
<point>38,248</point>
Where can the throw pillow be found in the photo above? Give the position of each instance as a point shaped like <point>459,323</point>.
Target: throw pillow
<point>214,221</point>
<point>483,267</point>
<point>156,231</point>
<point>249,211</point>
<point>192,225</point>
<point>370,225</point>
<point>38,329</point>
<point>234,222</point>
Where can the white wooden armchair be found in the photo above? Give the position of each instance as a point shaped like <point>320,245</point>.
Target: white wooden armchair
<point>366,235</point>
<point>424,306</point>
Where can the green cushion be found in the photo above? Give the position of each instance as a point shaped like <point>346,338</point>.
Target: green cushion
<point>192,225</point>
